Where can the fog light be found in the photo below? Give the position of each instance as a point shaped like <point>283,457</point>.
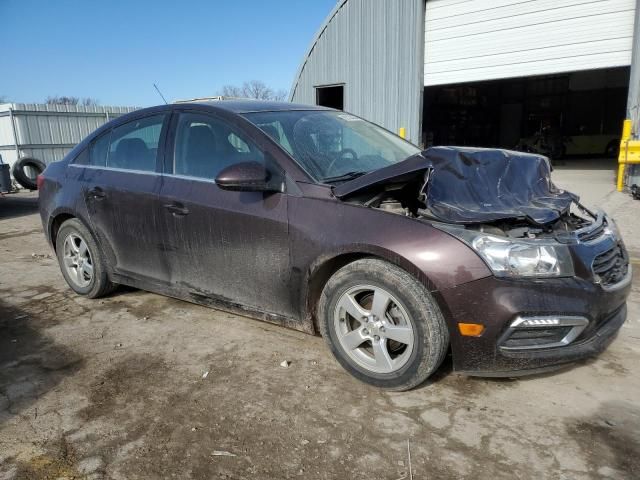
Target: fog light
<point>471,329</point>
<point>534,322</point>
<point>526,333</point>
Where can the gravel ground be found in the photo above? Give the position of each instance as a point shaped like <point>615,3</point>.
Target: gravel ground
<point>116,388</point>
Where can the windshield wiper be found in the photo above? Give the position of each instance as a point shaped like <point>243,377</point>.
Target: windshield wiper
<point>344,177</point>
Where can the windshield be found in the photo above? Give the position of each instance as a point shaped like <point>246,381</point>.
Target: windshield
<point>332,146</point>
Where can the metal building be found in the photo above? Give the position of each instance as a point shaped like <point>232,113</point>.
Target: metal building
<point>364,59</point>
<point>482,72</point>
<point>48,132</point>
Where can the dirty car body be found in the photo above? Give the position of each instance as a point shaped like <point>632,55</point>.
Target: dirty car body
<point>299,193</point>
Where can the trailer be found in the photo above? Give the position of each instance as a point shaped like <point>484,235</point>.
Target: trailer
<point>34,135</point>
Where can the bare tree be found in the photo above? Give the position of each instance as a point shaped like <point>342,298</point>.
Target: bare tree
<point>64,100</point>
<point>281,95</point>
<point>90,102</point>
<point>258,90</point>
<point>254,89</point>
<point>4,99</point>
<point>231,91</point>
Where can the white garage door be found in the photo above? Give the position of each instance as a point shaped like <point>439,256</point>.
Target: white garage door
<point>471,40</point>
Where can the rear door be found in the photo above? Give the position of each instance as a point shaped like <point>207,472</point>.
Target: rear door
<point>121,184</point>
<point>225,245</point>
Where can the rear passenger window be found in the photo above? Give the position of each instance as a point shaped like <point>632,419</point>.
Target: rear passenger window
<point>205,145</point>
<point>98,151</point>
<point>82,158</point>
<point>96,154</point>
<point>134,145</point>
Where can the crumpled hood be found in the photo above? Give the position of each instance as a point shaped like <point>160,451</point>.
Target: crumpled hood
<point>414,167</point>
<point>475,185</point>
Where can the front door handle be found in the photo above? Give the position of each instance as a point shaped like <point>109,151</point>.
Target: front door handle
<point>177,209</point>
<point>97,193</point>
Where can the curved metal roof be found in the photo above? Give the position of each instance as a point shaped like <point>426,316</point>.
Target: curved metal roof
<point>315,40</point>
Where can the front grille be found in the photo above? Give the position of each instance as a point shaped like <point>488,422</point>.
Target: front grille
<point>611,266</point>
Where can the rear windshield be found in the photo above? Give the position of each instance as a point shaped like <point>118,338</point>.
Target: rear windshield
<point>329,145</point>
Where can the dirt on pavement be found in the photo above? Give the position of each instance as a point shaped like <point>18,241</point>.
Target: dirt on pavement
<point>116,388</point>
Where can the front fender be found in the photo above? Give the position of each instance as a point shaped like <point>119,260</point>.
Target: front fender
<point>324,229</point>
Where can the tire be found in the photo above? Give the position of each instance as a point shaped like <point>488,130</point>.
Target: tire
<point>412,357</point>
<point>612,150</point>
<point>93,285</point>
<point>20,174</point>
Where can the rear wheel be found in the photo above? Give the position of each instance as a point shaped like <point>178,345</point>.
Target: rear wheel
<point>80,260</point>
<point>382,325</point>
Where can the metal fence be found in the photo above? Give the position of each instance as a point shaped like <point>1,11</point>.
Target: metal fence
<point>48,132</point>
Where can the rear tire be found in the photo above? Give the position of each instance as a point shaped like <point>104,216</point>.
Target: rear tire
<point>397,315</point>
<point>81,261</point>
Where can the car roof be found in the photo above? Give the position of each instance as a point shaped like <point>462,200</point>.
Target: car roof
<point>250,106</point>
<point>235,106</point>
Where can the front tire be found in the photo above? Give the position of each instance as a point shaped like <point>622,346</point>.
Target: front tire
<point>81,261</point>
<point>382,325</point>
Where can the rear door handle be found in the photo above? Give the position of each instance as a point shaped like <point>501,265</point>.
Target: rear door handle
<point>177,209</point>
<point>96,193</point>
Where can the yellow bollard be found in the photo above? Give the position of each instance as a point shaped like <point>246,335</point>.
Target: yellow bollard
<point>402,132</point>
<point>626,130</point>
<point>620,185</point>
<point>629,152</point>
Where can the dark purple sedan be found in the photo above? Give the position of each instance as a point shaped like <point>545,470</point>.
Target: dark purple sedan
<point>321,221</point>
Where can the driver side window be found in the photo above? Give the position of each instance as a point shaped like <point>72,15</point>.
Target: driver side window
<point>205,145</point>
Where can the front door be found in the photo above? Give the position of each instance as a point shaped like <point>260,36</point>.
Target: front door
<point>224,245</point>
<point>122,182</point>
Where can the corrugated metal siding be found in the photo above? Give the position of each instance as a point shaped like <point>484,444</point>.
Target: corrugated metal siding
<point>45,154</point>
<point>6,131</point>
<point>374,47</point>
<point>472,40</point>
<point>49,132</point>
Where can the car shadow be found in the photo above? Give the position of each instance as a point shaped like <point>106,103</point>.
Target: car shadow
<point>31,363</point>
<point>15,205</point>
<point>446,375</point>
<point>609,438</point>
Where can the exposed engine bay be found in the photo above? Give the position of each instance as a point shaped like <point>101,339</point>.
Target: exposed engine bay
<point>402,201</point>
<point>498,192</point>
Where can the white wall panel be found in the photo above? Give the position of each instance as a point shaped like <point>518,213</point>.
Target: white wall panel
<point>471,40</point>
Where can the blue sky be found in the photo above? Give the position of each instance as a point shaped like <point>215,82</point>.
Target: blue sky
<point>115,50</point>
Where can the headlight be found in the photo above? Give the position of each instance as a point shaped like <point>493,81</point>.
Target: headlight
<point>612,228</point>
<point>517,258</point>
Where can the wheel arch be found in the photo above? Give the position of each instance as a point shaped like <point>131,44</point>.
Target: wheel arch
<point>61,216</point>
<point>55,222</point>
<point>326,266</point>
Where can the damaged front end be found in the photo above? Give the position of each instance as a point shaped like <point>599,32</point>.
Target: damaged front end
<point>504,206</point>
<point>561,272</point>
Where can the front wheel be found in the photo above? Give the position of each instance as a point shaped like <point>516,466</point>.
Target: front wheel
<point>382,325</point>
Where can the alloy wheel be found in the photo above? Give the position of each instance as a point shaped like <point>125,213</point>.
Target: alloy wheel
<point>374,329</point>
<point>77,260</point>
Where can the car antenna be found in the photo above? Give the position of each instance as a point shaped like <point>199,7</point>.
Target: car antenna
<point>160,93</point>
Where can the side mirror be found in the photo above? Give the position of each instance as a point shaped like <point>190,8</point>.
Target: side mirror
<point>250,177</point>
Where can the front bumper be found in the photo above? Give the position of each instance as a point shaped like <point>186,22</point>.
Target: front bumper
<point>497,303</point>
